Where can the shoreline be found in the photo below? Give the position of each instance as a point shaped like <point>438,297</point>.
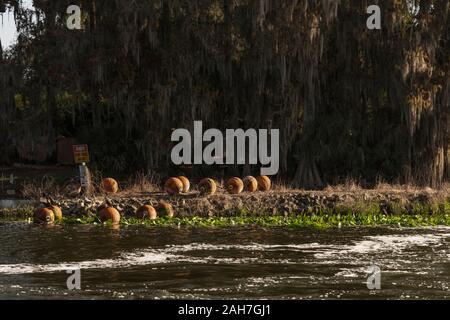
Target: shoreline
<point>290,208</point>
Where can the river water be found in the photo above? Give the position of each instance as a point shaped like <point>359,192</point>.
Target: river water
<point>137,262</point>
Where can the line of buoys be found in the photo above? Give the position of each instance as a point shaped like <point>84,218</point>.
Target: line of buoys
<point>207,186</point>
<point>175,185</point>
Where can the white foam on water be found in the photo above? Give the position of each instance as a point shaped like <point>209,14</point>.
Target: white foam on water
<point>135,258</point>
<point>322,253</point>
<point>347,273</point>
<point>383,243</point>
<point>249,247</point>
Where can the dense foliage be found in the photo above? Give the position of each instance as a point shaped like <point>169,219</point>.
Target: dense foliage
<point>349,101</point>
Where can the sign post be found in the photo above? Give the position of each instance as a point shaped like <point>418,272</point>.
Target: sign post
<point>81,157</point>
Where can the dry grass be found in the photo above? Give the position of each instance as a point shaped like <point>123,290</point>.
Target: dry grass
<point>349,185</point>
<point>34,189</point>
<point>282,186</point>
<point>142,182</point>
<point>146,182</point>
<point>445,188</point>
<point>386,187</point>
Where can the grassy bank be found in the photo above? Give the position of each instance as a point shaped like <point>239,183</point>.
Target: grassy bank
<point>363,214</point>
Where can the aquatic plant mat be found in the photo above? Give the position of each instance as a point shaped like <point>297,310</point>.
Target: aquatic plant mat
<point>276,208</point>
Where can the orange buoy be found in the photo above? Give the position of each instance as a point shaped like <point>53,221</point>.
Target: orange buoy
<point>173,186</point>
<point>43,215</point>
<point>146,212</point>
<point>207,186</point>
<point>165,209</point>
<point>250,184</point>
<point>109,214</point>
<point>264,183</point>
<point>186,183</point>
<point>109,185</point>
<point>57,212</point>
<point>235,185</point>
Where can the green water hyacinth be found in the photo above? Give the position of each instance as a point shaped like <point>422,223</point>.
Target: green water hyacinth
<point>357,214</point>
<point>295,221</point>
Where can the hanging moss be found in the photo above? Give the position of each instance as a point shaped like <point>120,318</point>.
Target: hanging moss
<point>350,102</point>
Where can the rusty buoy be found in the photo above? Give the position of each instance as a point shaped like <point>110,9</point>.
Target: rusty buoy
<point>165,209</point>
<point>109,185</point>
<point>235,185</point>
<point>173,186</point>
<point>107,213</point>
<point>207,186</point>
<point>186,183</point>
<point>264,183</point>
<point>250,184</point>
<point>146,212</point>
<point>43,215</point>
